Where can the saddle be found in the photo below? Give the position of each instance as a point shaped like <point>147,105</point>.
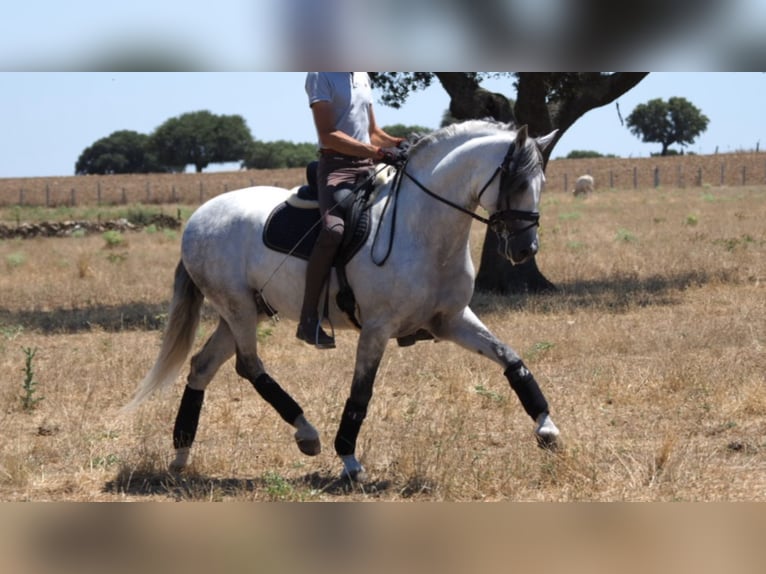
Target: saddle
<point>293,227</point>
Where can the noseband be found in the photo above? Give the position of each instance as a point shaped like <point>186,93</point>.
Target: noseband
<point>505,221</point>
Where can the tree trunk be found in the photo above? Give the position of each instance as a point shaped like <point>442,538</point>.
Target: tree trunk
<point>542,114</point>
<point>498,275</point>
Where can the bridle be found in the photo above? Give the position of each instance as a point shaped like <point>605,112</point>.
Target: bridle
<point>506,223</point>
<point>502,221</point>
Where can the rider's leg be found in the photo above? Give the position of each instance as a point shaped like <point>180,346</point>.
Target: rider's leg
<point>317,273</point>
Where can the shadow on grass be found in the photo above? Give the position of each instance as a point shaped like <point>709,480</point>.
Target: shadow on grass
<point>268,487</point>
<point>616,294</point>
<point>111,318</point>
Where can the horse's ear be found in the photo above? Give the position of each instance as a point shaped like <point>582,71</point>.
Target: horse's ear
<point>521,136</point>
<point>545,141</point>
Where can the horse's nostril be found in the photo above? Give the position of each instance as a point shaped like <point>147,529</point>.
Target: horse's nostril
<point>525,253</point>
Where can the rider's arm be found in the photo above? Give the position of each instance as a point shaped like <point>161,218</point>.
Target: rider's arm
<point>378,137</point>
<point>330,138</point>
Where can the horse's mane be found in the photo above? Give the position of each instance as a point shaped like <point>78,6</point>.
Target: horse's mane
<point>526,161</point>
<point>475,128</point>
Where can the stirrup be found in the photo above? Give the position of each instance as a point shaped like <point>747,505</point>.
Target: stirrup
<point>321,339</point>
<point>318,338</point>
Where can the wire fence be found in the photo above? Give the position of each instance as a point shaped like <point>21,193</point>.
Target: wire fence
<point>149,189</point>
<point>193,189</point>
<point>668,172</point>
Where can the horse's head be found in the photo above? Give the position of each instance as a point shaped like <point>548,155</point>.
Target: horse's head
<point>515,214</point>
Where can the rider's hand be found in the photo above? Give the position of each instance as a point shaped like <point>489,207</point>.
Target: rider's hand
<point>392,156</point>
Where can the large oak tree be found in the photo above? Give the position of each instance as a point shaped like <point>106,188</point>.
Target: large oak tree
<point>201,138</point>
<point>544,101</point>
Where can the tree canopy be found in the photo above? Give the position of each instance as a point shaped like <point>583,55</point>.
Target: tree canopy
<point>201,138</point>
<point>280,154</point>
<point>123,151</point>
<point>676,121</point>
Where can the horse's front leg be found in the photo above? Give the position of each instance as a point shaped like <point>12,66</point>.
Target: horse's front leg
<point>466,330</point>
<point>372,344</point>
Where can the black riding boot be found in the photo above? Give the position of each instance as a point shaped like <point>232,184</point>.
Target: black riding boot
<point>319,265</point>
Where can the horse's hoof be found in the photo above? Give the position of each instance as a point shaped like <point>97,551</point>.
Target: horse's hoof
<point>358,476</point>
<point>178,465</point>
<point>547,433</point>
<point>307,437</point>
<point>353,471</point>
<point>310,447</point>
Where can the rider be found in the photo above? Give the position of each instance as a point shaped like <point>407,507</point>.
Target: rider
<point>350,142</point>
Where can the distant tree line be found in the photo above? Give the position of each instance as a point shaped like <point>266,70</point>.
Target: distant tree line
<point>198,139</point>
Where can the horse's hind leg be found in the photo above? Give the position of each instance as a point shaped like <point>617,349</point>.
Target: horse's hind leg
<point>204,365</point>
<point>250,367</point>
<point>469,332</point>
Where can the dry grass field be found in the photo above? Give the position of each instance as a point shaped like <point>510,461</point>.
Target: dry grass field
<point>651,355</point>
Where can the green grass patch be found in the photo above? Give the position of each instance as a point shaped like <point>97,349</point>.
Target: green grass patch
<point>625,236</point>
<point>113,239</point>
<point>14,260</point>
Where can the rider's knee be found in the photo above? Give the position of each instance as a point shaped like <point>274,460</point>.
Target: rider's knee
<point>331,235</point>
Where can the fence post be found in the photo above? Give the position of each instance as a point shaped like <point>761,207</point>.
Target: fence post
<point>656,177</point>
<point>47,195</point>
<point>98,193</point>
<point>124,197</point>
<point>201,192</point>
<point>148,192</point>
<point>566,182</point>
<point>699,177</point>
<point>635,177</point>
<point>723,172</point>
<point>611,179</point>
<point>173,194</point>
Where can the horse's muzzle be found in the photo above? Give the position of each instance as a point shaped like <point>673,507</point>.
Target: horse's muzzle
<point>518,247</point>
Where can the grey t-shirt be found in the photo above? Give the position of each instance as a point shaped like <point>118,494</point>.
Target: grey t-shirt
<point>350,94</point>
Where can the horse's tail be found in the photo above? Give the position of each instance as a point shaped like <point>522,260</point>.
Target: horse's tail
<point>177,342</point>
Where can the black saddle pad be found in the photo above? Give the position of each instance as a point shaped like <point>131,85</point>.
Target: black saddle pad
<point>294,230</point>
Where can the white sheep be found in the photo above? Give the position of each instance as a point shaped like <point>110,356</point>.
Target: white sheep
<point>583,185</point>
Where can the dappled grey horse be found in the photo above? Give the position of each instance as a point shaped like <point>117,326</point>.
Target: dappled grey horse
<point>412,277</point>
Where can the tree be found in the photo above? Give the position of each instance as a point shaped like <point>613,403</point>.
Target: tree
<point>201,138</point>
<point>123,151</point>
<point>675,121</point>
<point>280,154</point>
<point>544,102</point>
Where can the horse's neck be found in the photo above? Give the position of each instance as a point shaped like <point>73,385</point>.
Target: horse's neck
<point>448,172</point>
<point>452,170</point>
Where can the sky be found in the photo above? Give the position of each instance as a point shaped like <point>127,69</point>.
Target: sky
<point>48,118</point>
